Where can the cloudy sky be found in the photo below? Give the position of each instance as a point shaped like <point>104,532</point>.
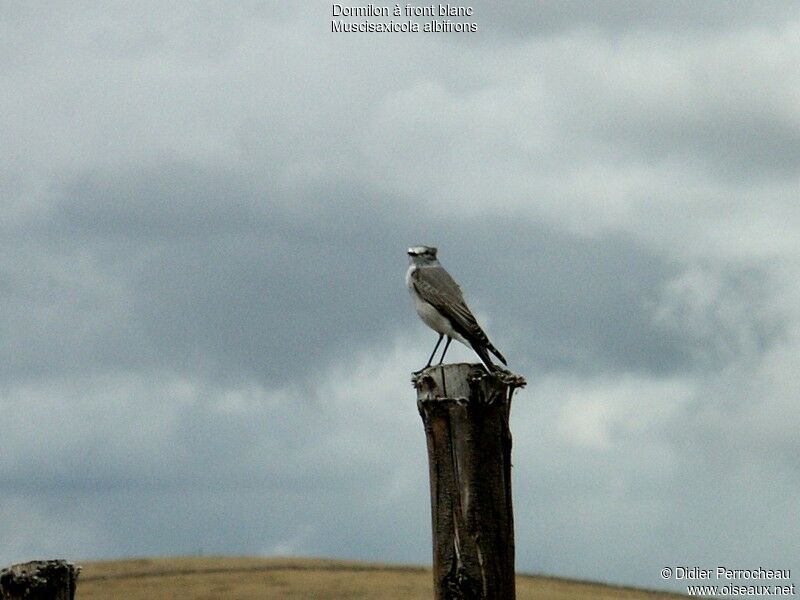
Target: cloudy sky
<point>205,339</point>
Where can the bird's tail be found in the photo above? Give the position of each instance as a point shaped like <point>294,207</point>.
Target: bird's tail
<point>496,352</point>
<point>482,351</point>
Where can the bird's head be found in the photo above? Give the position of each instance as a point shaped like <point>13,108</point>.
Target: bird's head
<point>422,254</point>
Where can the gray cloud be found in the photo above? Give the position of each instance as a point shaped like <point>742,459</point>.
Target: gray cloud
<point>196,270</point>
<point>555,17</point>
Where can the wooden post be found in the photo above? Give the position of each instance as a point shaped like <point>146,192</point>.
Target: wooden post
<point>39,580</point>
<point>465,411</point>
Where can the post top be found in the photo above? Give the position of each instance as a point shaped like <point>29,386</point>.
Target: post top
<point>455,381</point>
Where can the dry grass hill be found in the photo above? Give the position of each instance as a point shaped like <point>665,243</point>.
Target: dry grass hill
<point>229,578</point>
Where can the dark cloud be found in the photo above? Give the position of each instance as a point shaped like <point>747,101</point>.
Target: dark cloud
<point>573,301</point>
<point>198,271</point>
<point>741,147</point>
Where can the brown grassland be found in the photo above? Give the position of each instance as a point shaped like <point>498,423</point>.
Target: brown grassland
<point>230,578</point>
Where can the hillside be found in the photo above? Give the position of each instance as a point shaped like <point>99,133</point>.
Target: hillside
<point>229,578</point>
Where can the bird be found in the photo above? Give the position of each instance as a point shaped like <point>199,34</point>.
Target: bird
<point>440,304</point>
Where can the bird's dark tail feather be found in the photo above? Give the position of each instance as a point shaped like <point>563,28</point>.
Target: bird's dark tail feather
<point>496,352</point>
<point>484,355</point>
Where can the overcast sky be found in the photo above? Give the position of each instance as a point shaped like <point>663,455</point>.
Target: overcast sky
<point>205,338</point>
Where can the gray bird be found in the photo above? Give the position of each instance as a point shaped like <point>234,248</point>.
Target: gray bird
<point>440,304</point>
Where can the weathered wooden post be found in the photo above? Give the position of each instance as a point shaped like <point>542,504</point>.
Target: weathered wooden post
<point>465,411</point>
<point>39,580</point>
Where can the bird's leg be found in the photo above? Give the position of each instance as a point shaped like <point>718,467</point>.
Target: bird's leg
<point>444,383</point>
<point>430,360</point>
<point>446,346</point>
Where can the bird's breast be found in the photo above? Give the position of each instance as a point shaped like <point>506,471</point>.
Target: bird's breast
<point>429,314</point>
<point>409,283</point>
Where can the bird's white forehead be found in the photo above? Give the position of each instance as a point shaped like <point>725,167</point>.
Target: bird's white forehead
<point>421,249</point>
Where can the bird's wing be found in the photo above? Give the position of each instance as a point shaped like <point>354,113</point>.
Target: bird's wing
<point>435,286</point>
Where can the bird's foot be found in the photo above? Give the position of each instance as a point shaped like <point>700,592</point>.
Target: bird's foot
<point>420,371</point>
